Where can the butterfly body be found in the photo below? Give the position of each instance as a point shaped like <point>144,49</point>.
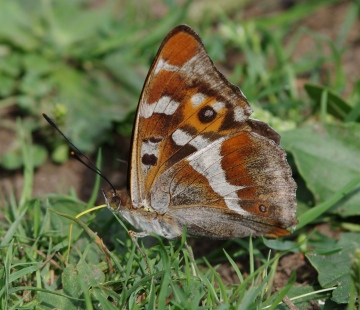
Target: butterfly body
<point>198,160</point>
<point>143,217</point>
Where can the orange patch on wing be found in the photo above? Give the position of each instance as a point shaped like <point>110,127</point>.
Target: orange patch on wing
<point>255,207</point>
<point>179,49</point>
<point>165,83</point>
<point>235,152</point>
<point>277,232</point>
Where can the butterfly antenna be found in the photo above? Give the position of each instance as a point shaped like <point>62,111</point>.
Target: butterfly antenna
<point>76,154</point>
<point>92,168</point>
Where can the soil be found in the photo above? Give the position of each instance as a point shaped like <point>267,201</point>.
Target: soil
<point>52,178</point>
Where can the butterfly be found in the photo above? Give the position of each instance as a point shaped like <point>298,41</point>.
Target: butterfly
<point>197,159</point>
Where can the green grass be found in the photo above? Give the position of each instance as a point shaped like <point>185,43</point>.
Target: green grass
<point>89,78</point>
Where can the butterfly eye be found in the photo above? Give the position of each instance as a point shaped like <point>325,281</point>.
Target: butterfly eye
<point>206,114</point>
<point>115,202</point>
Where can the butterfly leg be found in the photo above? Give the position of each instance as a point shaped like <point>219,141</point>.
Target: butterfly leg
<point>134,235</point>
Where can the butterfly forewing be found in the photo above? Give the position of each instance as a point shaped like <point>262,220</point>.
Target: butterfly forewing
<point>184,98</point>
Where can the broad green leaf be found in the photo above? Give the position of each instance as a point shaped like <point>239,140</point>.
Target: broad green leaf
<point>71,281</point>
<point>74,280</point>
<point>12,159</point>
<point>278,244</point>
<point>90,274</point>
<point>60,153</point>
<point>48,301</point>
<point>334,270</point>
<point>72,292</point>
<point>328,157</point>
<point>39,155</point>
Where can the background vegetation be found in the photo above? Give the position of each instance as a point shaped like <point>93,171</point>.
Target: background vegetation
<point>84,63</point>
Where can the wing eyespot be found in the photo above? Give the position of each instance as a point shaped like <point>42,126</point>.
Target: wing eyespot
<point>207,114</point>
<point>262,208</point>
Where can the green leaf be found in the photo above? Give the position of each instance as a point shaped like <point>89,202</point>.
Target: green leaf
<point>13,158</point>
<point>90,274</point>
<point>334,270</point>
<point>39,155</point>
<point>74,280</point>
<point>71,281</point>
<point>49,301</point>
<point>66,205</point>
<point>328,157</point>
<point>60,153</point>
<point>281,245</point>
